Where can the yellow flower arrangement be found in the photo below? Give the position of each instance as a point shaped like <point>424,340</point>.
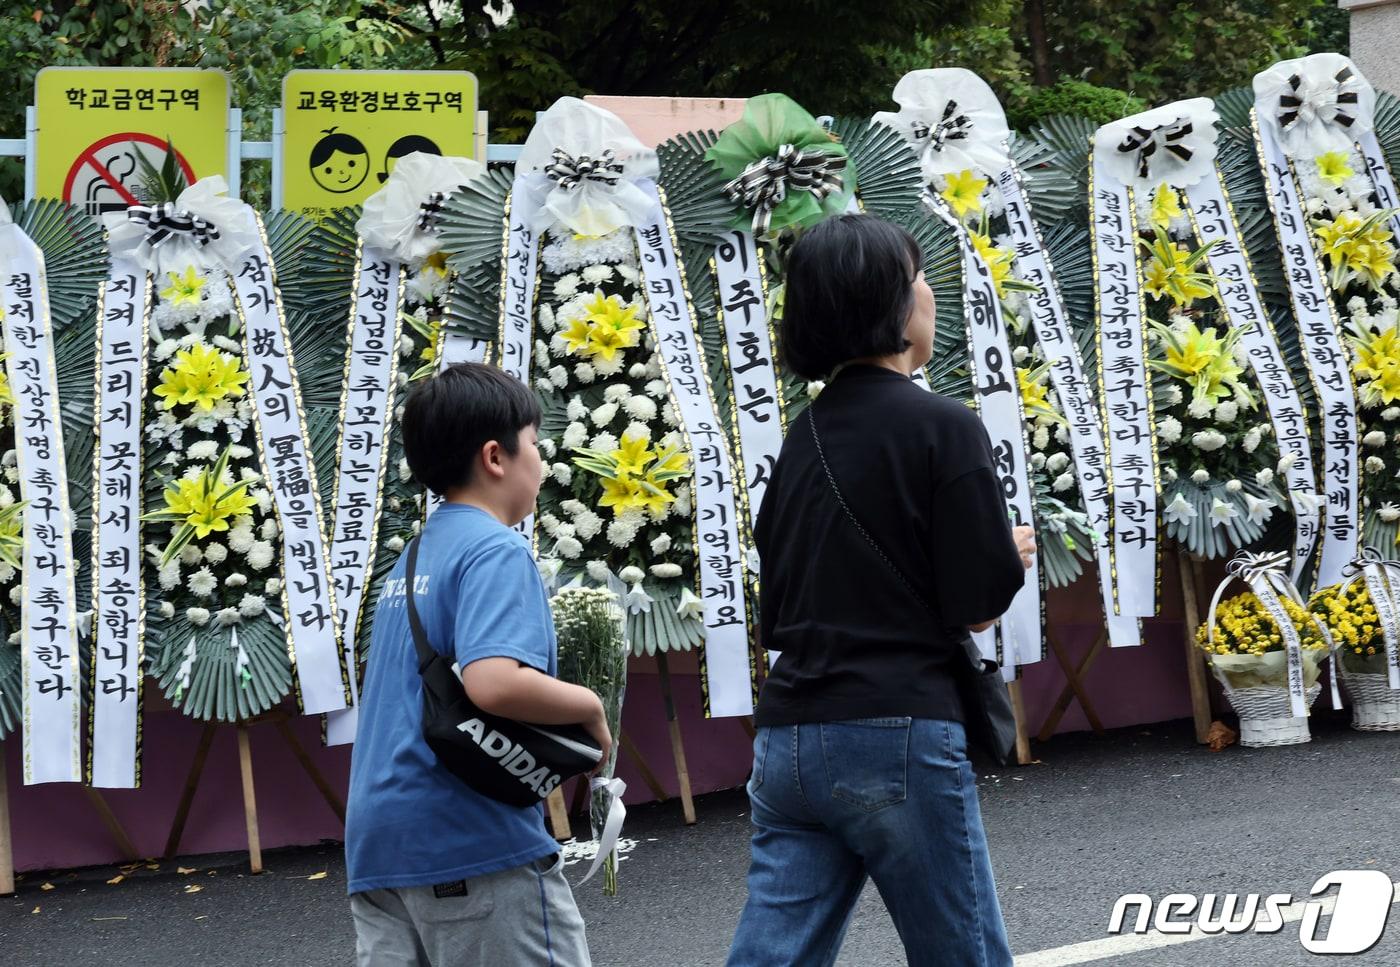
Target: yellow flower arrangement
<point>1244,627</point>
<point>1203,359</point>
<point>201,376</point>
<point>1171,271</point>
<point>963,193</point>
<point>607,327</point>
<point>1377,364</point>
<point>1166,206</point>
<point>431,332</point>
<point>1333,167</point>
<point>12,534</point>
<point>201,506</point>
<point>1358,247</point>
<point>635,476</point>
<point>1035,394</point>
<point>7,396</point>
<point>1353,622</point>
<point>188,288</point>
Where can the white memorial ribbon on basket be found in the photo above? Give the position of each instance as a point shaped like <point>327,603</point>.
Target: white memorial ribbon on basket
<point>48,629</point>
<point>1382,579</point>
<point>998,395</point>
<point>720,557</point>
<point>119,613</point>
<point>1124,392</point>
<point>371,364</point>
<point>612,827</point>
<point>1239,295</point>
<point>1267,576</point>
<point>1055,336</point>
<point>310,617</point>
<point>1326,360</point>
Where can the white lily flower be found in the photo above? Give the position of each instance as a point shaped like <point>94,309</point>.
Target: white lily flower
<point>690,606</point>
<point>1222,511</point>
<point>1179,510</point>
<point>637,599</point>
<point>1258,509</point>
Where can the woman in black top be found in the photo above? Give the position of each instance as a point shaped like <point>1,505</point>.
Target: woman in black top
<point>860,762</point>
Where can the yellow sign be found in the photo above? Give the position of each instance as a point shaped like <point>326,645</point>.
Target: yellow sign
<point>93,120</point>
<point>344,130</point>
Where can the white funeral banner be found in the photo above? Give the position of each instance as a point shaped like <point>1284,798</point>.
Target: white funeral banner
<point>1056,339</point>
<point>366,406</point>
<point>998,395</point>
<point>1229,263</point>
<point>518,277</point>
<point>1326,360</point>
<point>716,519</point>
<point>308,596</point>
<point>48,633</point>
<point>1124,393</point>
<point>119,613</point>
<point>757,406</point>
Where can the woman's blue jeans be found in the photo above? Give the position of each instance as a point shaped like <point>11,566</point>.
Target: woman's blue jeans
<point>893,799</point>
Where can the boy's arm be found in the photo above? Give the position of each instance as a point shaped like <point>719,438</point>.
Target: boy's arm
<point>505,687</point>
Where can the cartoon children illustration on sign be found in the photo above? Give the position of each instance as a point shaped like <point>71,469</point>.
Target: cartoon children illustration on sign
<point>407,144</point>
<point>339,162</point>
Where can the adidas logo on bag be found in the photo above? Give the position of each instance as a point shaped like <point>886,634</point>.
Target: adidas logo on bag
<point>513,757</point>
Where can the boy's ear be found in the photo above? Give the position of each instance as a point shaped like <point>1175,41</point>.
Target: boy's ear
<point>490,456</point>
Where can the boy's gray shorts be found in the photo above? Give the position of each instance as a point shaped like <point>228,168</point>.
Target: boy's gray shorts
<point>521,917</point>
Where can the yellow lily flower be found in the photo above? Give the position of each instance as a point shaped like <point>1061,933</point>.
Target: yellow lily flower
<point>438,263</point>
<point>999,261</point>
<point>1333,168</point>
<point>577,335</point>
<point>187,289</point>
<point>1166,206</point>
<point>201,376</point>
<point>963,193</point>
<point>633,455</point>
<point>1035,394</point>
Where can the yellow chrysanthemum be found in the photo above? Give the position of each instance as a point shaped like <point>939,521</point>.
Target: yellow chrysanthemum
<point>186,289</point>
<point>963,193</point>
<point>1333,168</point>
<point>208,505</point>
<point>1166,206</point>
<point>201,376</point>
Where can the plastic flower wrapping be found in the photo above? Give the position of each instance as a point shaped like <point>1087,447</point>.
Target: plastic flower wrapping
<point>1247,649</point>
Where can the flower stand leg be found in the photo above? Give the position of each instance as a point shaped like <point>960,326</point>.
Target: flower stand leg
<point>1074,686</point>
<point>182,811</point>
<point>109,819</point>
<point>1018,710</point>
<point>677,747</point>
<point>649,777</point>
<point>1195,660</point>
<point>250,803</point>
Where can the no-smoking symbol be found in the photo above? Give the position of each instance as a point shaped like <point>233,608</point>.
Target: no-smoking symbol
<point>106,176</point>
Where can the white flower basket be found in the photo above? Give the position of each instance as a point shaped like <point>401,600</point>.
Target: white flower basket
<point>1265,715</point>
<point>1375,707</point>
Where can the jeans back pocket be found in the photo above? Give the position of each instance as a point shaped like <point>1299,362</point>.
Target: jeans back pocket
<point>867,761</point>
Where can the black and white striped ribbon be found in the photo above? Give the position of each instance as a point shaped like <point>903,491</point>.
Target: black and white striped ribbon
<point>571,171</point>
<point>1144,141</point>
<point>164,221</point>
<point>1290,104</point>
<point>952,126</point>
<point>430,211</point>
<point>764,184</point>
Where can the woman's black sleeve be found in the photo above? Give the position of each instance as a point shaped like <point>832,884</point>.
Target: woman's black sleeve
<point>976,567</point>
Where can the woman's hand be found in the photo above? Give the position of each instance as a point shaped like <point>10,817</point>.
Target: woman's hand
<point>1025,544</point>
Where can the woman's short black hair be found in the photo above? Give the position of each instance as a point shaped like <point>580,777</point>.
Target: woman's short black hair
<point>848,294</point>
<point>448,419</point>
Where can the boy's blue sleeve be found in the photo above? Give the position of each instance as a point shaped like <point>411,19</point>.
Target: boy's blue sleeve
<point>502,609</point>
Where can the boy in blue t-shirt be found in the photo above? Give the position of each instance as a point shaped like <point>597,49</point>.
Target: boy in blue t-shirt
<point>439,874</point>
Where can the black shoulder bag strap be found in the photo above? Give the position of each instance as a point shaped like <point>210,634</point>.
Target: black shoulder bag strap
<point>415,623</point>
<point>986,703</point>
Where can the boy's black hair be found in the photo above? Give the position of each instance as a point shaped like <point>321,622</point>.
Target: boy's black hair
<point>448,419</point>
<point>332,143</point>
<point>848,293</point>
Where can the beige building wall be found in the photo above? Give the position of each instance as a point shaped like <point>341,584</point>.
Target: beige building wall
<point>1375,41</point>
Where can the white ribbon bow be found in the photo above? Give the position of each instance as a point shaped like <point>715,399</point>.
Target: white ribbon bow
<point>1267,576</point>
<point>612,827</point>
<point>1382,580</point>
<point>1173,144</point>
<point>401,218</point>
<point>1315,104</point>
<point>203,228</point>
<point>952,119</point>
<point>580,166</point>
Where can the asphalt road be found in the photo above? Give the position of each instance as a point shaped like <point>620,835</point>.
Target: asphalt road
<point>1140,810</point>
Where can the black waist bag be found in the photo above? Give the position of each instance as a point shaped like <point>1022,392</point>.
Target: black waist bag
<point>512,762</point>
<point>988,718</point>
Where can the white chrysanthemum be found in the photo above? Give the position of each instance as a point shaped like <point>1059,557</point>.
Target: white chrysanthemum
<point>654,370</point>
<point>631,574</point>
<point>609,367</point>
<point>1037,461</point>
<point>605,442</point>
<point>596,570</point>
<point>191,555</point>
<point>566,287</point>
<point>1208,440</point>
<point>622,532</point>
<point>167,610</point>
<point>638,431</point>
<point>1388,512</point>
<point>1041,438</point>
<point>1390,414</point>
<point>1063,482</point>
<point>548,523</point>
<point>575,436</point>
<point>1286,462</point>
<point>169,575</point>
<point>656,389</point>
<point>1062,433</point>
<point>16,593</point>
<point>1057,462</point>
<point>1234,486</point>
<point>568,547</point>
<point>616,393</point>
<point>564,530</point>
<point>236,580</point>
<point>273,587</point>
<point>165,349</point>
<point>637,371</point>
<point>628,273</point>
<point>1264,477</point>
<point>661,544</point>
<point>269,529</point>
<point>559,346</point>
<point>576,409</point>
<point>1251,440</point>
<point>542,385</point>
<point>1227,411</point>
<point>541,354</point>
<point>1200,477</point>
<point>572,507</point>
<point>1374,464</point>
<point>1020,354</point>
<point>260,555</point>
<point>1169,474</point>
<point>597,274</point>
<point>603,415</point>
<point>202,450</point>
<point>814,388</point>
<point>1200,407</point>
<point>1168,430</point>
<point>588,525</point>
<point>666,570</point>
<point>252,605</point>
<point>394,544</point>
<point>202,583</point>
<point>199,617</point>
<point>226,617</point>
<point>585,373</point>
<point>640,408</point>
<point>215,553</point>
<point>1376,438</point>
<point>240,539</point>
